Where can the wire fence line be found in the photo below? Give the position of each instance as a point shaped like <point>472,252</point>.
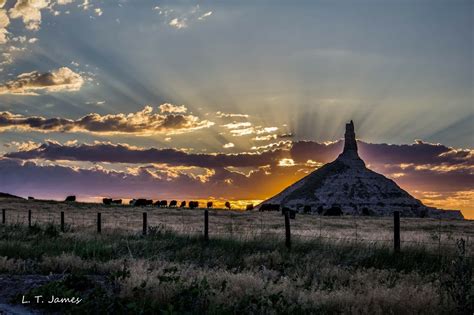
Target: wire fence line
<point>436,234</point>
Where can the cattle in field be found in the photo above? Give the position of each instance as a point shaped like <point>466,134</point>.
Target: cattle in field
<point>182,204</point>
<point>307,209</point>
<point>209,204</point>
<point>193,204</point>
<point>173,204</point>
<point>110,201</point>
<point>333,211</point>
<point>269,207</point>
<point>141,202</point>
<point>292,214</point>
<point>70,198</point>
<point>227,205</point>
<point>249,207</point>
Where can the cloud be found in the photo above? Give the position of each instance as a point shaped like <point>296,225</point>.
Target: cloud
<point>178,23</point>
<point>265,138</point>
<point>205,15</point>
<point>143,122</point>
<point>29,11</point>
<point>228,145</point>
<point>98,11</point>
<point>248,130</point>
<point>170,108</point>
<point>230,115</point>
<point>60,80</point>
<point>48,181</point>
<point>236,125</point>
<point>122,153</point>
<point>180,17</point>
<point>286,162</point>
<point>4,22</point>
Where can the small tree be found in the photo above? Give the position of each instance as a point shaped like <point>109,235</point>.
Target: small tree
<point>227,205</point>
<point>209,204</point>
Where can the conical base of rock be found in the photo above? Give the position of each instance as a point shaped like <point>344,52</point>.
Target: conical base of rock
<point>347,186</point>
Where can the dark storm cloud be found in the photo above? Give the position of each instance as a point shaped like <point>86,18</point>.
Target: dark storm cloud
<point>144,122</point>
<point>419,153</point>
<point>120,153</point>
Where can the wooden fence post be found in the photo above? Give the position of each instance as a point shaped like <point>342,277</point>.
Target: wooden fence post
<point>287,230</point>
<point>62,221</point>
<point>29,218</point>
<point>396,231</point>
<point>206,225</point>
<point>4,218</point>
<point>99,222</point>
<point>145,223</point>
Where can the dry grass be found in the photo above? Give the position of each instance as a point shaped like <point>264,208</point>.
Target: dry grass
<point>81,217</point>
<point>336,265</point>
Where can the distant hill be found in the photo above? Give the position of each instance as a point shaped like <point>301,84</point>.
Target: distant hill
<point>5,195</point>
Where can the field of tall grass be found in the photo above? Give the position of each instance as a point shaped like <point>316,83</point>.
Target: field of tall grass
<point>335,265</point>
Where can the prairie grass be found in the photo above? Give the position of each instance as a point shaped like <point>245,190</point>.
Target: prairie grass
<point>240,270</point>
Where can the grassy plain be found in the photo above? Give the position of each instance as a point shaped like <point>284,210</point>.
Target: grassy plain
<point>335,265</point>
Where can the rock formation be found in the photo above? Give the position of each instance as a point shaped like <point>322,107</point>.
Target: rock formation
<point>347,185</point>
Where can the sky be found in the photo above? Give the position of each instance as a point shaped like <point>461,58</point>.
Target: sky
<point>233,100</point>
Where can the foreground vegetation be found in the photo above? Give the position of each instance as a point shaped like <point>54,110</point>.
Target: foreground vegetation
<point>169,273</point>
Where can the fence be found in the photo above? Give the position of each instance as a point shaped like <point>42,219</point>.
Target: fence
<point>436,234</point>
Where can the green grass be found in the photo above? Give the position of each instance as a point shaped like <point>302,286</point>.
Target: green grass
<point>170,273</point>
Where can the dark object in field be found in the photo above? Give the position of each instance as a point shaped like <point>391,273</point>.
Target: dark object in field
<point>70,198</point>
<point>227,205</point>
<point>366,211</point>
<point>110,201</point>
<point>249,207</point>
<point>141,202</point>
<point>209,204</point>
<point>320,210</point>
<point>270,207</point>
<point>291,212</point>
<point>173,203</point>
<point>31,198</point>
<point>333,211</point>
<point>163,203</point>
<point>307,209</point>
<point>183,204</point>
<point>193,204</point>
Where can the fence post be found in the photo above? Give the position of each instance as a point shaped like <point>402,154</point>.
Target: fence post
<point>287,230</point>
<point>396,231</point>
<point>29,218</point>
<point>99,223</point>
<point>4,216</point>
<point>145,223</point>
<point>62,221</point>
<point>206,225</point>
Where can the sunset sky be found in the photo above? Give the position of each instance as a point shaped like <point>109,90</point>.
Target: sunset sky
<point>233,100</point>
